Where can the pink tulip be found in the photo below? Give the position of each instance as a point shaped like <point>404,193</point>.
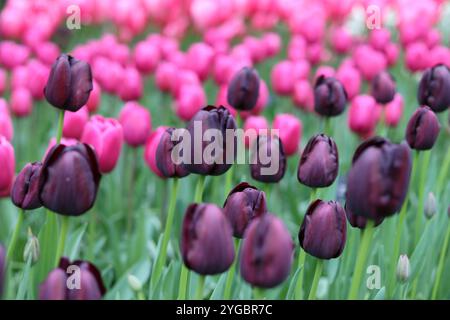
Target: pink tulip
<point>439,55</point>
<point>109,74</point>
<point>150,150</point>
<point>37,78</point>
<point>146,57</point>
<point>64,141</point>
<point>74,123</point>
<point>393,111</point>
<point>272,43</point>
<point>13,54</point>
<point>341,40</point>
<point>303,95</point>
<point>362,118</point>
<point>6,125</point>
<point>391,51</point>
<point>309,23</point>
<point>184,77</point>
<point>7,163</point>
<point>222,69</point>
<point>105,135</point>
<point>326,71</point>
<point>47,52</point>
<point>201,57</point>
<point>191,98</point>
<point>253,126</point>
<point>221,100</point>
<point>3,81</point>
<point>21,102</point>
<point>365,53</point>
<point>296,49</point>
<point>256,48</point>
<point>290,131</point>
<point>282,78</point>
<point>165,75</point>
<point>315,53</point>
<point>379,38</point>
<point>433,38</point>
<point>417,56</point>
<point>350,79</point>
<point>132,86</point>
<point>94,98</point>
<point>12,22</point>
<point>19,77</point>
<point>136,123</point>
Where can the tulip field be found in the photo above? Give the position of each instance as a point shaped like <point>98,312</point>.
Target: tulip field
<point>224,150</point>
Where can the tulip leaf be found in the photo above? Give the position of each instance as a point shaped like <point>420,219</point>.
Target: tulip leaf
<point>217,293</point>
<point>293,282</point>
<point>25,280</point>
<point>380,294</point>
<point>74,242</point>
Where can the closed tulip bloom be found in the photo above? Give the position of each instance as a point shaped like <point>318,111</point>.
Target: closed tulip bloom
<point>350,78</point>
<point>383,87</point>
<point>69,179</point>
<point>330,97</point>
<point>268,161</point>
<point>165,75</point>
<point>25,190</point>
<point>243,204</point>
<point>94,98</point>
<point>243,89</point>
<point>150,150</point>
<point>319,163</point>
<point>2,268</point>
<point>6,126</point>
<point>74,123</point>
<point>253,126</point>
<point>7,163</point>
<point>303,95</point>
<point>266,253</point>
<point>324,230</point>
<point>434,88</point>
<point>290,131</point>
<point>206,240</point>
<point>358,221</point>
<point>21,102</point>
<point>393,111</point>
<point>146,56</point>
<point>169,166</point>
<point>69,84</point>
<point>423,129</point>
<point>55,285</point>
<point>362,117</point>
<point>282,78</point>
<point>191,98</point>
<point>136,123</point>
<point>132,85</point>
<point>105,135</point>
<point>217,162</point>
<point>379,178</point>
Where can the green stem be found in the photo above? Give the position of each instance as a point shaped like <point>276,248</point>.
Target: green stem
<point>60,127</point>
<point>131,189</point>
<point>198,197</point>
<point>440,268</point>
<point>301,267</point>
<point>363,252</point>
<point>183,283</point>
<point>62,238</point>
<point>231,272</point>
<point>200,287</point>
<point>443,175</point>
<point>315,283</point>
<point>140,295</point>
<point>258,293</point>
<point>15,236</point>
<point>327,126</point>
<point>422,180</point>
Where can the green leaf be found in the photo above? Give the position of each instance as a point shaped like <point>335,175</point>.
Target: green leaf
<point>74,242</point>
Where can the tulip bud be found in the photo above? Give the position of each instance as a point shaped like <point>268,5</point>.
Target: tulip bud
<point>2,268</point>
<point>69,179</point>
<point>324,230</point>
<point>32,248</point>
<point>243,89</point>
<point>383,87</point>
<point>379,178</point>
<point>319,163</point>
<point>403,268</point>
<point>136,123</point>
<point>211,163</point>
<point>243,204</point>
<point>69,84</point>
<point>362,118</point>
<point>206,240</point>
<point>132,85</point>
<point>434,88</point>
<point>290,131</point>
<point>282,78</point>
<point>268,161</point>
<point>7,165</point>
<point>423,129</point>
<point>25,190</point>
<point>430,206</point>
<point>74,123</point>
<point>21,102</point>
<point>330,97</point>
<point>169,166</point>
<point>266,253</point>
<point>150,150</point>
<point>134,283</point>
<point>358,221</point>
<point>393,111</point>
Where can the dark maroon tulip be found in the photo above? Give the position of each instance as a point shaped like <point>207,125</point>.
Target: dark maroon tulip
<point>25,190</point>
<point>383,87</point>
<point>243,204</point>
<point>266,253</point>
<point>243,89</point>
<point>434,88</point>
<point>58,284</point>
<point>319,163</point>
<point>69,179</point>
<point>324,230</point>
<point>164,160</point>
<point>358,221</point>
<point>207,239</point>
<point>379,178</point>
<point>217,162</point>
<point>2,268</point>
<point>69,84</point>
<point>423,129</point>
<point>268,161</point>
<point>330,97</point>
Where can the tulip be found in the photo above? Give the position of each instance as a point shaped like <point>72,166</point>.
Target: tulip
<point>282,78</point>
<point>272,43</point>
<point>330,97</point>
<point>69,84</point>
<point>74,123</point>
<point>7,163</point>
<point>422,129</point>
<point>150,150</point>
<point>303,95</point>
<point>94,98</point>
<point>266,253</point>
<point>325,71</point>
<point>65,141</point>
<point>243,89</point>
<point>434,88</point>
<point>37,77</point>
<point>350,78</point>
<point>296,49</point>
<point>2,268</point>
<point>393,111</point>
<point>253,126</point>
<point>69,179</point>
<point>3,81</point>
<point>379,178</point>
<point>324,230</point>
<point>341,40</point>
<point>379,38</point>
<point>358,221</point>
<point>206,240</point>
<point>290,131</point>
<point>191,98</point>
<point>146,57</point>
<point>268,161</point>
<point>319,163</point>
<point>391,52</point>
<point>25,190</point>
<point>383,87</point>
<point>167,165</point>
<point>362,117</point>
<point>261,103</point>
<point>165,75</point>
<point>417,57</point>
<point>55,287</point>
<point>21,102</point>
<point>6,125</point>
<point>201,57</point>
<point>365,53</point>
<point>243,204</point>
<point>219,159</point>
<point>430,206</point>
<point>12,54</point>
<point>403,267</point>
<point>47,52</point>
<point>132,85</point>
<point>136,123</point>
<point>105,135</point>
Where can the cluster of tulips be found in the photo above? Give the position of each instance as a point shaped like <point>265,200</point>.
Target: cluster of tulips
<point>88,145</point>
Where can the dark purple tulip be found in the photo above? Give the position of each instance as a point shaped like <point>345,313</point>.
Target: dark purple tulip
<point>243,89</point>
<point>434,88</point>
<point>69,179</point>
<point>330,97</point>
<point>217,162</point>
<point>164,160</point>
<point>268,161</point>
<point>266,253</point>
<point>69,84</point>
<point>56,286</point>
<point>358,221</point>
<point>423,129</point>
<point>319,162</point>
<point>2,268</point>
<point>25,190</point>
<point>379,178</point>
<point>243,204</point>
<point>383,87</point>
<point>207,239</point>
<point>324,230</point>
